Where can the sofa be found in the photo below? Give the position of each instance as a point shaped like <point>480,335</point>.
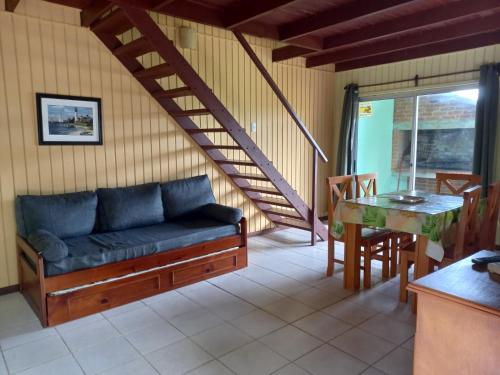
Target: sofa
<point>85,252</point>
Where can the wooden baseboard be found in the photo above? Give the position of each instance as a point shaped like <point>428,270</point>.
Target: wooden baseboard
<point>9,289</point>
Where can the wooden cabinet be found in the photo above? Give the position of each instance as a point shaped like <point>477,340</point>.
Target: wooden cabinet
<point>458,320</point>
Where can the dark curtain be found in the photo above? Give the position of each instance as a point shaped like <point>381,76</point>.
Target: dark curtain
<point>486,124</point>
<point>348,128</point>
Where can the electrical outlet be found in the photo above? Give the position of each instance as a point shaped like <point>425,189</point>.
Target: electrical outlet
<point>253,127</point>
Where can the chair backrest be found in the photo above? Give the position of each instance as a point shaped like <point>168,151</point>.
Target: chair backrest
<point>456,183</point>
<point>489,222</point>
<point>467,231</point>
<point>367,184</point>
<point>338,188</point>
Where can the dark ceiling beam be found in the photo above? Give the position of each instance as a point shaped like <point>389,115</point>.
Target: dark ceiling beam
<point>460,44</point>
<point>251,10</point>
<point>11,5</point>
<point>94,11</point>
<point>288,52</point>
<point>333,16</point>
<point>417,20</point>
<point>467,27</point>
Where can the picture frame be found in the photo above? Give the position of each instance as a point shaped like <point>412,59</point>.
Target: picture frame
<point>68,120</point>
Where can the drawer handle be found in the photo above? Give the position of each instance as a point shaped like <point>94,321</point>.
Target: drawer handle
<point>104,300</point>
<point>208,268</point>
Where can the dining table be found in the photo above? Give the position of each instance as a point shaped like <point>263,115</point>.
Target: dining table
<point>433,220</point>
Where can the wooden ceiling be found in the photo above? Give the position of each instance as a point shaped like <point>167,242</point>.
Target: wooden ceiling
<point>350,33</point>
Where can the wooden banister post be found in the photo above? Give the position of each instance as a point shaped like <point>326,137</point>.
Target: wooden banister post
<point>314,209</point>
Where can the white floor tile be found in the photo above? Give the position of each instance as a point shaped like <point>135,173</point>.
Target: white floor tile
<point>178,358</point>
<point>258,323</point>
<point>291,369</point>
<point>79,323</point>
<point>363,345</point>
<point>316,298</point>
<point>232,308</point>
<point>35,353</point>
<point>288,309</point>
<point>290,342</point>
<point>195,321</point>
<point>92,334</point>
<point>137,367</point>
<point>23,334</point>
<point>372,371</point>
<point>221,339</point>
<point>410,344</point>
<point>253,359</point>
<point>154,337</point>
<point>173,304</point>
<point>327,360</point>
<point>350,312</point>
<point>389,329</point>
<point>211,368</point>
<point>64,366</point>
<point>3,368</point>
<point>135,320</point>
<point>106,355</point>
<point>322,326</point>
<point>399,362</point>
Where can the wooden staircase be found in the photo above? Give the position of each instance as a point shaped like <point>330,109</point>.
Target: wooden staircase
<point>279,201</point>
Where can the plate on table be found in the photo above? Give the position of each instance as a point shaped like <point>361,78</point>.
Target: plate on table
<point>408,199</point>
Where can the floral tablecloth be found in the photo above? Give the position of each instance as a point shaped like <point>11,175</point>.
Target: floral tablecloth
<point>434,218</point>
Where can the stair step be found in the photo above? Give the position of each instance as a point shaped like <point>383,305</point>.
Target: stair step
<point>282,212</point>
<point>294,223</point>
<point>262,189</point>
<point>249,176</point>
<point>273,201</point>
<point>155,72</point>
<point>190,112</point>
<point>135,48</point>
<point>115,23</point>
<point>221,147</point>
<point>174,93</point>
<point>213,130</point>
<point>236,162</point>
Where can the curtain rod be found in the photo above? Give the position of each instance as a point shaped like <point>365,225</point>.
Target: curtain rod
<point>418,78</point>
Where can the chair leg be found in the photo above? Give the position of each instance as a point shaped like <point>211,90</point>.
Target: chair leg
<point>331,255</point>
<point>403,274</point>
<point>367,274</point>
<point>394,256</point>
<point>385,261</point>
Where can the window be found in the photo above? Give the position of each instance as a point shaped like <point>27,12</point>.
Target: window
<point>407,139</point>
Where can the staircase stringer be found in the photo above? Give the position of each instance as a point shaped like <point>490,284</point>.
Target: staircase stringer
<point>112,42</point>
<point>167,50</point>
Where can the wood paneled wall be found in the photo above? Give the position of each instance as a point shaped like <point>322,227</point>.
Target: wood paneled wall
<point>42,49</point>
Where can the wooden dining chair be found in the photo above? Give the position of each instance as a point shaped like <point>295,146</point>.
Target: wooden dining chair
<point>488,231</point>
<point>465,239</point>
<point>372,241</point>
<point>366,185</point>
<point>456,183</point>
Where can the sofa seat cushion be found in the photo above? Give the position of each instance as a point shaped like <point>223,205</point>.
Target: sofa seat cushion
<point>64,215</point>
<point>129,207</point>
<point>186,196</point>
<point>103,248</point>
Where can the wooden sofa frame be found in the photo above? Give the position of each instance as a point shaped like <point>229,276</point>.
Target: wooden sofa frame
<point>61,298</point>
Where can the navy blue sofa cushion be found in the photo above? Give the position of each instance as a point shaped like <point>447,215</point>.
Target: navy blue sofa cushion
<point>102,248</point>
<point>186,196</point>
<point>129,207</point>
<point>53,249</point>
<point>64,215</point>
<point>222,213</point>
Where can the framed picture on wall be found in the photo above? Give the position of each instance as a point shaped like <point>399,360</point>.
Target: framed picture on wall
<point>68,120</point>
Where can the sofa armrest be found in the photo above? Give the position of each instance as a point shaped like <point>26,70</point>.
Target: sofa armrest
<point>51,247</point>
<point>222,213</point>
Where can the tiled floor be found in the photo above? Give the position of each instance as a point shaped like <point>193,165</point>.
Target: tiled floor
<point>278,316</point>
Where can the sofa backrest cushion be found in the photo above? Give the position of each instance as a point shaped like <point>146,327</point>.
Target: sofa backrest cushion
<point>186,196</point>
<point>129,207</point>
<point>64,215</point>
<point>53,249</point>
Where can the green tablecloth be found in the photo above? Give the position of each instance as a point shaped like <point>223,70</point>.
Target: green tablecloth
<point>434,218</point>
